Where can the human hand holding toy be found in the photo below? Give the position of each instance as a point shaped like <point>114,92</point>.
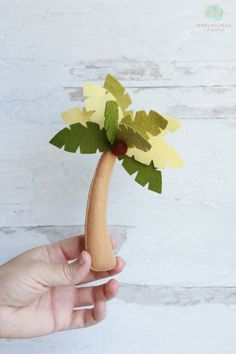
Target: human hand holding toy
<point>135,138</point>
<point>43,290</point>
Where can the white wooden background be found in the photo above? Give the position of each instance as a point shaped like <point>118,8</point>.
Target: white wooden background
<point>178,293</point>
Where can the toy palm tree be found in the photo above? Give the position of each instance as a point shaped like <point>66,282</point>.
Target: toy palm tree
<point>105,124</point>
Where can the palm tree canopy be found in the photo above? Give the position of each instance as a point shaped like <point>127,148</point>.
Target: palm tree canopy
<point>105,119</point>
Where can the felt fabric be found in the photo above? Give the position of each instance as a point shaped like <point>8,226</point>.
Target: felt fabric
<point>105,118</point>
<point>96,100</point>
<point>102,124</point>
<point>145,175</point>
<point>89,138</point>
<point>118,91</point>
<point>111,120</point>
<point>97,239</point>
<point>132,138</point>
<point>161,154</point>
<point>148,125</point>
<point>76,115</point>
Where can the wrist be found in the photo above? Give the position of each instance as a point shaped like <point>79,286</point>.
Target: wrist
<point>4,318</point>
<point>1,299</point>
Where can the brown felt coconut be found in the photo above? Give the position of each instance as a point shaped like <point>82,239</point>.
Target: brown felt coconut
<point>105,125</point>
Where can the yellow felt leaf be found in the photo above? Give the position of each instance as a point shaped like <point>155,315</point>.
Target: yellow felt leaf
<point>161,153</point>
<point>92,89</point>
<point>75,115</point>
<point>96,102</point>
<point>173,124</point>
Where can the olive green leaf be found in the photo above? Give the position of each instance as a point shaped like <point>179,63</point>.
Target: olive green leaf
<point>89,138</point>
<point>152,123</point>
<point>118,91</point>
<point>146,174</point>
<point>132,138</point>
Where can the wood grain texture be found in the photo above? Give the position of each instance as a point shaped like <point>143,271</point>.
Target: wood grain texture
<point>135,328</point>
<point>196,102</point>
<point>148,295</point>
<point>152,329</point>
<point>178,289</point>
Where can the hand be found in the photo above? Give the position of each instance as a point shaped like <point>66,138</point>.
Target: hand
<point>38,294</point>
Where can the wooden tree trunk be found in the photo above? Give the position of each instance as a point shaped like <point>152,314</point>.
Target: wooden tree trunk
<point>97,239</point>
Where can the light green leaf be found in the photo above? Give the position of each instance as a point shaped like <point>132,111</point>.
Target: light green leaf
<point>152,123</point>
<point>111,120</point>
<point>118,91</point>
<point>146,174</point>
<point>132,138</point>
<point>89,138</point>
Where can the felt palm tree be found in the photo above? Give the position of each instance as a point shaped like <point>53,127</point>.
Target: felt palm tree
<point>105,124</point>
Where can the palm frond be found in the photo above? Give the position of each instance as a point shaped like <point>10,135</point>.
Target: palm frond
<point>89,138</point>
<point>132,138</point>
<point>161,154</point>
<point>118,91</point>
<point>76,115</point>
<point>148,125</point>
<point>145,174</point>
<point>111,120</point>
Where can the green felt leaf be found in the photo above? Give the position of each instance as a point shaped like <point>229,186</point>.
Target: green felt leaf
<point>59,139</point>
<point>152,123</point>
<point>146,174</point>
<point>132,138</point>
<point>88,138</point>
<point>118,91</point>
<point>111,120</point>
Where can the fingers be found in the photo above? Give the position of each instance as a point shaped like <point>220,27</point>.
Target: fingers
<point>63,274</point>
<point>72,247</point>
<point>93,276</point>
<point>93,294</point>
<point>88,317</point>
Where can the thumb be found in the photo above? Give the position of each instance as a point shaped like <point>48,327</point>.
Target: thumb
<point>66,274</point>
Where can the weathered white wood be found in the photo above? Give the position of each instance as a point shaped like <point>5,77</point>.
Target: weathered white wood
<point>132,72</point>
<point>131,328</point>
<point>150,43</point>
<point>183,102</point>
<point>180,246</point>
<point>40,105</point>
<point>174,245</point>
<point>141,30</point>
<point>149,295</point>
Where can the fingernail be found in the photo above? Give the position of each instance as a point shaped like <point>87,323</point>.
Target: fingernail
<point>82,259</point>
<point>123,263</point>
